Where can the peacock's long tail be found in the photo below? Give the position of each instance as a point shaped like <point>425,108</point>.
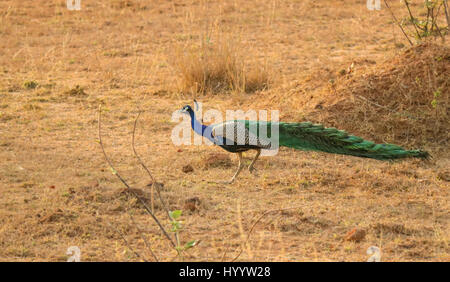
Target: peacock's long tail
<point>315,137</point>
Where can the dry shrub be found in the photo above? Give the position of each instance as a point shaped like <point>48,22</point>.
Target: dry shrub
<point>218,67</point>
<point>404,100</point>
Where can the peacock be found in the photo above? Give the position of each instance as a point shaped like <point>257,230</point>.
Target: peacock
<point>238,136</point>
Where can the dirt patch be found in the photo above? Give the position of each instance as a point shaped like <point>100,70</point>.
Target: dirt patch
<point>215,160</point>
<point>56,216</point>
<point>355,235</point>
<point>187,168</point>
<point>192,204</point>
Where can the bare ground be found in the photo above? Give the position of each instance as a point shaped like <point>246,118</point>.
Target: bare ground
<point>57,191</point>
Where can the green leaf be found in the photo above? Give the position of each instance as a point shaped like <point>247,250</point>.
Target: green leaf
<point>190,244</point>
<point>175,214</point>
<point>176,226</point>
<point>437,93</point>
<point>434,103</point>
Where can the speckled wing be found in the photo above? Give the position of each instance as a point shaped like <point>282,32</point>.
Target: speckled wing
<point>235,133</point>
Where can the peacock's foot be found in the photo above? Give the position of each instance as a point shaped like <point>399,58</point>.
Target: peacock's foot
<point>253,171</point>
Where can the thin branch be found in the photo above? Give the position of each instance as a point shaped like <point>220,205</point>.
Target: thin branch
<point>434,21</point>
<point>125,183</point>
<point>154,183</point>
<point>395,19</point>
<point>142,163</point>
<point>143,238</point>
<point>439,31</point>
<point>126,243</point>
<point>134,150</point>
<point>428,17</point>
<point>446,13</point>
<point>412,18</point>
<point>253,226</point>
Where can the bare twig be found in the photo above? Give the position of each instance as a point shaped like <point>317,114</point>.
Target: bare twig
<point>143,238</point>
<point>439,31</point>
<point>126,184</point>
<point>134,150</point>
<point>145,167</point>
<point>253,226</point>
<point>126,243</point>
<point>428,18</point>
<point>413,20</point>
<point>395,19</point>
<point>154,184</point>
<point>141,162</point>
<point>434,21</point>
<point>447,13</point>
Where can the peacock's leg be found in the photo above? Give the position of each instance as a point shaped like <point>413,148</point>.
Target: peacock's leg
<point>241,166</point>
<point>250,167</point>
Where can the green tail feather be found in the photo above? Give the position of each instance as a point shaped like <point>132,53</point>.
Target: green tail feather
<point>315,137</point>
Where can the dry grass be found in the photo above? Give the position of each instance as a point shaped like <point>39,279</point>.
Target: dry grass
<point>56,190</point>
<point>217,66</point>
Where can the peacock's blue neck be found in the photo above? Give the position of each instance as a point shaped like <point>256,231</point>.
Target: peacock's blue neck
<point>199,128</point>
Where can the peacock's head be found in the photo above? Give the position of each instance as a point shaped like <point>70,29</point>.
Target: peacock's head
<point>187,110</point>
